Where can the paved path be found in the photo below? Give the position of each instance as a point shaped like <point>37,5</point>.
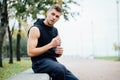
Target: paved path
<point>92,69</point>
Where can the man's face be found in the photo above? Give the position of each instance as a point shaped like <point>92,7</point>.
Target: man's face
<point>52,17</point>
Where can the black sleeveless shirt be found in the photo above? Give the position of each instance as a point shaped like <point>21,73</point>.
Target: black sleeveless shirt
<point>46,35</point>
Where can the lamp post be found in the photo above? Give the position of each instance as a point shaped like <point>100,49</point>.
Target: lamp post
<point>93,48</point>
<point>117,2</point>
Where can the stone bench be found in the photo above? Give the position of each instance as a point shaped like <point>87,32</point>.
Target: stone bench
<point>30,75</point>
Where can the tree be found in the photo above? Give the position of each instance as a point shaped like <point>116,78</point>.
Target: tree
<point>3,25</point>
<point>10,45</point>
<point>1,37</point>
<point>18,43</point>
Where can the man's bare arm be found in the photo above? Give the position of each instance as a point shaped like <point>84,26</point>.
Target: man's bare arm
<point>32,48</point>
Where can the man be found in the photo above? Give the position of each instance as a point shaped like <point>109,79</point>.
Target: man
<point>44,46</point>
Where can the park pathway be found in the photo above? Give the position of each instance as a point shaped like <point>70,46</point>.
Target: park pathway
<point>93,69</point>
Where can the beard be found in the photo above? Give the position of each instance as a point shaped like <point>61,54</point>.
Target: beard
<point>50,22</point>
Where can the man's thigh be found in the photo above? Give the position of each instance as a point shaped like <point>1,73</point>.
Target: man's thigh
<point>46,66</point>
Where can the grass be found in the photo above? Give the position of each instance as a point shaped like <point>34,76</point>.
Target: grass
<point>9,70</point>
<point>114,58</point>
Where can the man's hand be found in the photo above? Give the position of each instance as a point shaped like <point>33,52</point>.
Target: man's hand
<point>59,51</point>
<point>56,42</point>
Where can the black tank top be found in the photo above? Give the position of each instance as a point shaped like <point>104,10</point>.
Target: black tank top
<point>46,35</point>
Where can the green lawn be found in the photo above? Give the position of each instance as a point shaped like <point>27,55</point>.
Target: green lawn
<point>114,58</point>
<point>9,70</point>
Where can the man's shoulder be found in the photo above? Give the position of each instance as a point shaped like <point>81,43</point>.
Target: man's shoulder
<point>38,22</point>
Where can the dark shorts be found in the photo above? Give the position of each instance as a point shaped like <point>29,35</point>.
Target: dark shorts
<point>56,70</point>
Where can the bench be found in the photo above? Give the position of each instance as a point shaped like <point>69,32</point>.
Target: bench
<point>30,75</point>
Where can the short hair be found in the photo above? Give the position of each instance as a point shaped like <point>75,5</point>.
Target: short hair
<point>56,7</point>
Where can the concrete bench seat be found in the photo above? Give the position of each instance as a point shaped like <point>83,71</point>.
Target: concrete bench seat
<point>30,75</point>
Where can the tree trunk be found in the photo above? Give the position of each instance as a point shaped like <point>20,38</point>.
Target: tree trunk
<point>0,37</point>
<point>18,46</point>
<point>10,46</point>
<point>2,33</point>
<point>3,25</point>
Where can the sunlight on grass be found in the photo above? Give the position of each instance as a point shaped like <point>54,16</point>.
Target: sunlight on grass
<point>13,69</point>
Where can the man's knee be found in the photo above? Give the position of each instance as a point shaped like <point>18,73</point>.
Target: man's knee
<point>60,69</point>
<point>58,73</point>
